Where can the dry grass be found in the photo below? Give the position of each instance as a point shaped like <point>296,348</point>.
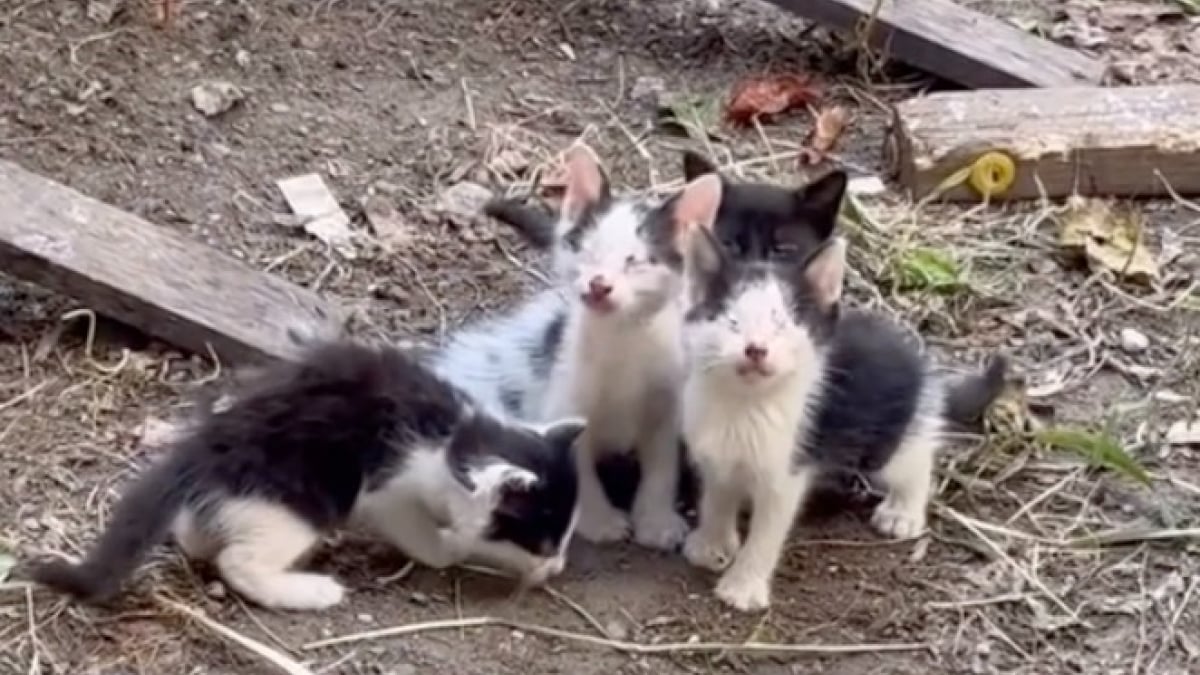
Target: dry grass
<point>1041,558</point>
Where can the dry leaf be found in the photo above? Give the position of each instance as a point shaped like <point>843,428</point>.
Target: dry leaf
<point>762,97</point>
<point>827,130</point>
<point>1107,239</point>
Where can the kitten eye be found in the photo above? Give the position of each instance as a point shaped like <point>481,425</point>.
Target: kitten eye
<point>630,260</point>
<point>733,323</point>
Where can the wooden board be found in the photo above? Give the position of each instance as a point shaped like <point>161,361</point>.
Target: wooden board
<point>955,43</point>
<point>150,277</point>
<point>1090,140</point>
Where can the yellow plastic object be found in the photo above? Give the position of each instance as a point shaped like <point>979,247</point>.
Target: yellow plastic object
<point>992,174</point>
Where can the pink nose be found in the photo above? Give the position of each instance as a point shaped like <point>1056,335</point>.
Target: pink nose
<point>755,353</point>
<point>599,288</point>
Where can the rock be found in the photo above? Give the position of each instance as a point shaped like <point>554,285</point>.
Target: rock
<point>215,97</point>
<point>1134,341</point>
<point>390,229</point>
<point>648,90</point>
<point>216,590</point>
<point>463,202</point>
<point>617,630</point>
<point>103,11</point>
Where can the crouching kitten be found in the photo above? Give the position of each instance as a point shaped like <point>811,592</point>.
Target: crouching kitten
<point>349,433</point>
<point>781,389</point>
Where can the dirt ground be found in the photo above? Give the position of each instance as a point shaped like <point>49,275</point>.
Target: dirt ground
<point>403,99</point>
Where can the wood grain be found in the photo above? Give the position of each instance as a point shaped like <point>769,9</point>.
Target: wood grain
<point>943,38</point>
<point>150,277</point>
<point>1094,141</point>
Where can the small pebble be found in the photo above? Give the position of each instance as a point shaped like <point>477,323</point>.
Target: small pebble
<point>215,590</point>
<point>366,618</point>
<point>280,108</point>
<point>616,630</point>
<point>419,598</point>
<point>1134,341</point>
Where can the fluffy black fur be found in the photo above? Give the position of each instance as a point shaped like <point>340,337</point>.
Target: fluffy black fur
<point>761,221</point>
<point>312,435</point>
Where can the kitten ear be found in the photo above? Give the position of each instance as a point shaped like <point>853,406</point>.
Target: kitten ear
<point>697,205</point>
<point>696,165</point>
<point>586,182</point>
<point>825,272</point>
<point>704,257</point>
<point>491,480</point>
<point>820,201</point>
<point>562,433</point>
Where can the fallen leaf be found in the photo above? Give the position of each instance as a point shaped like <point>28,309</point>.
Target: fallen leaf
<point>389,227</point>
<point>509,164</point>
<point>929,269</point>
<point>1099,448</point>
<point>827,130</point>
<point>1107,239</point>
<point>692,116</point>
<point>215,97</point>
<point>323,218</point>
<point>763,97</point>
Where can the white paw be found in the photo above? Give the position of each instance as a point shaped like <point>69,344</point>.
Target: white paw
<point>898,522</point>
<point>663,529</point>
<point>602,525</point>
<point>709,552</point>
<point>302,591</point>
<point>744,592</point>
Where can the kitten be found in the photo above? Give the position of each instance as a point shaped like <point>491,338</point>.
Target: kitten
<point>755,220</point>
<point>351,433</point>
<point>604,344</point>
<point>782,390</point>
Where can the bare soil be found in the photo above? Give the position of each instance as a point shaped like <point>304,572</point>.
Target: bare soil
<point>402,100</point>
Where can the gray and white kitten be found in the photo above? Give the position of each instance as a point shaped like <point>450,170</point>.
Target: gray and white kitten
<point>604,344</point>
<point>782,388</point>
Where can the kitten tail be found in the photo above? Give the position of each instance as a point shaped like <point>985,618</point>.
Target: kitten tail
<point>968,397</point>
<point>141,520</point>
<point>536,226</point>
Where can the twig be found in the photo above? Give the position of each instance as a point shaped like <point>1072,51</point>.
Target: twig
<point>1000,552</point>
<point>274,657</point>
<point>619,645</point>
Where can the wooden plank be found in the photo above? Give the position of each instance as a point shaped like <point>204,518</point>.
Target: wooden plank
<point>955,43</point>
<point>151,277</point>
<point>1090,140</point>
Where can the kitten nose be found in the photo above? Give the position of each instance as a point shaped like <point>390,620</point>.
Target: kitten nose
<point>599,287</point>
<point>756,353</point>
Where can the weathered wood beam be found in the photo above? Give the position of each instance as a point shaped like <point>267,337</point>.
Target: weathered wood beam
<point>151,277</point>
<point>955,43</point>
<point>1125,141</point>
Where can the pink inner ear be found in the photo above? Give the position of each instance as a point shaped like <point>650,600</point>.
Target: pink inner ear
<point>826,272</point>
<point>698,203</point>
<point>585,180</point>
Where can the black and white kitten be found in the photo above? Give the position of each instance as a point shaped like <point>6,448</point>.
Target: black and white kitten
<point>604,343</point>
<point>350,433</point>
<point>782,389</point>
<point>755,220</point>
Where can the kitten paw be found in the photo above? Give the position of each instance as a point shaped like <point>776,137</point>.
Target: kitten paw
<point>298,591</point>
<point>663,530</point>
<point>898,522</point>
<point>744,592</point>
<point>603,525</point>
<point>709,552</point>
